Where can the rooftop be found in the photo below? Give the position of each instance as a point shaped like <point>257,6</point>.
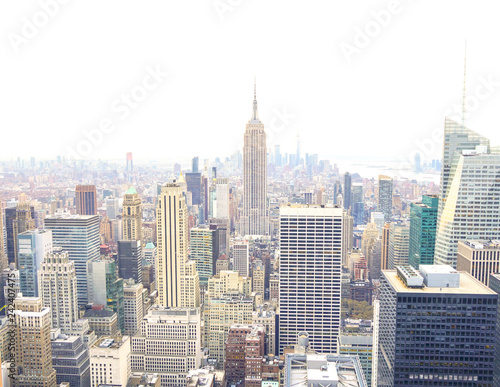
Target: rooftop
<point>482,244</point>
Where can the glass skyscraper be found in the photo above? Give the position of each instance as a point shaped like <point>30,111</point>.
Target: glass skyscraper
<point>423,221</point>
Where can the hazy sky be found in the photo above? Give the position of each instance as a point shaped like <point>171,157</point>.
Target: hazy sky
<point>174,79</point>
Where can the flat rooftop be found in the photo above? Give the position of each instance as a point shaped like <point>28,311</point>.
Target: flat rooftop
<point>468,285</point>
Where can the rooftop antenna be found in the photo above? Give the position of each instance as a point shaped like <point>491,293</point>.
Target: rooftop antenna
<point>463,95</point>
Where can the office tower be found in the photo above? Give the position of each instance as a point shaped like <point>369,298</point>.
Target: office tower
<point>220,313</point>
<point>132,216</point>
<point>105,287</point>
<point>258,275</point>
<point>195,165</point>
<point>254,219</point>
<point>169,344</point>
<point>190,286</point>
<point>102,321</point>
<point>204,251</point>
<point>78,235</point>
<point>112,207</point>
<point>418,168</point>
<point>385,196</point>
<point>277,156</point>
<point>150,253</point>
<point>274,287</point>
<point>33,353</point>
<point>133,306</point>
<point>384,259</point>
<point>222,197</point>
<point>148,277</point>
<point>58,289</point>
<point>399,244</point>
<point>310,275</point>
<point>172,232</point>
<point>470,192</point>
<point>347,191</point>
<point>360,346</point>
<point>358,206</point>
<point>378,218</point>
<point>110,361</point>
<point>347,236</point>
<point>193,186</point>
<point>18,219</point>
<point>371,245</point>
<point>241,258</point>
<point>423,222</point>
<point>33,246</point>
<point>86,200</point>
<point>495,286</point>
<point>436,327</point>
<point>337,190</point>
<point>130,260</point>
<point>71,360</point>
<point>479,258</point>
<point>244,354</point>
<point>221,264</point>
<point>130,163</point>
<point>224,230</point>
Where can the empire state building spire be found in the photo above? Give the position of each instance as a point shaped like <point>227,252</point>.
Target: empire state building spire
<point>255,118</point>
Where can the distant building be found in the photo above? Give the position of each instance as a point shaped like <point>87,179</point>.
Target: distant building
<point>86,200</point>
<point>385,196</point>
<point>423,223</point>
<point>130,260</point>
<point>399,244</point>
<point>479,258</point>
<point>241,262</point>
<point>132,216</point>
<point>204,243</point>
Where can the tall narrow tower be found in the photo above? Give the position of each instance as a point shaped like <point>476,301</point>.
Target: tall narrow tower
<point>254,220</point>
<point>132,216</point>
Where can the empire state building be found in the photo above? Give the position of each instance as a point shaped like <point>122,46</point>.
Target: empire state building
<point>254,220</point>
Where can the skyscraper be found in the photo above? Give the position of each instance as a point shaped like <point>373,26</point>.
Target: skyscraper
<point>79,236</point>
<point>204,251</point>
<point>86,200</point>
<point>222,198</point>
<point>172,238</point>
<point>347,191</point>
<point>423,222</point>
<point>58,289</point>
<point>241,258</point>
<point>436,327</point>
<point>33,246</point>
<point>357,204</point>
<point>385,196</point>
<point>132,216</point>
<point>254,220</point>
<point>18,219</point>
<point>310,275</point>
<point>399,244</point>
<point>33,351</point>
<point>470,191</point>
<point>130,163</point>
<point>130,260</point>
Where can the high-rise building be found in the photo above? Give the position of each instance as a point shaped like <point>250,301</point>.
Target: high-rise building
<point>130,260</point>
<point>222,197</point>
<point>244,354</point>
<point>310,275</point>
<point>86,200</point>
<point>132,216</point>
<point>169,344</point>
<point>470,192</point>
<point>78,235</point>
<point>371,247</point>
<point>71,360</point>
<point>33,246</point>
<point>110,361</point>
<point>277,156</point>
<point>193,186</point>
<point>347,191</point>
<point>254,220</point>
<point>423,222</point>
<point>204,242</point>
<point>105,287</point>
<point>172,235</point>
<point>385,196</point>
<point>33,352</point>
<point>241,258</point>
<point>130,163</point>
<point>418,346</point>
<point>224,230</point>
<point>362,347</point>
<point>479,258</point>
<point>229,282</point>
<point>58,289</point>
<point>258,276</point>
<point>384,259</point>
<point>399,244</point>
<point>358,206</point>
<point>378,218</point>
<point>133,306</point>
<point>112,207</point>
<point>18,219</point>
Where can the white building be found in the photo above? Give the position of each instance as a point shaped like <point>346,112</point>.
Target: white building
<point>133,306</point>
<point>110,361</point>
<point>241,258</point>
<point>168,343</point>
<point>222,197</point>
<point>310,275</point>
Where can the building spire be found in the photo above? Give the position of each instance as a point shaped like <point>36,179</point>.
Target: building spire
<point>463,94</point>
<point>254,115</point>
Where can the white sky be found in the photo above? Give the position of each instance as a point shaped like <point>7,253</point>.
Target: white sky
<point>394,92</point>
